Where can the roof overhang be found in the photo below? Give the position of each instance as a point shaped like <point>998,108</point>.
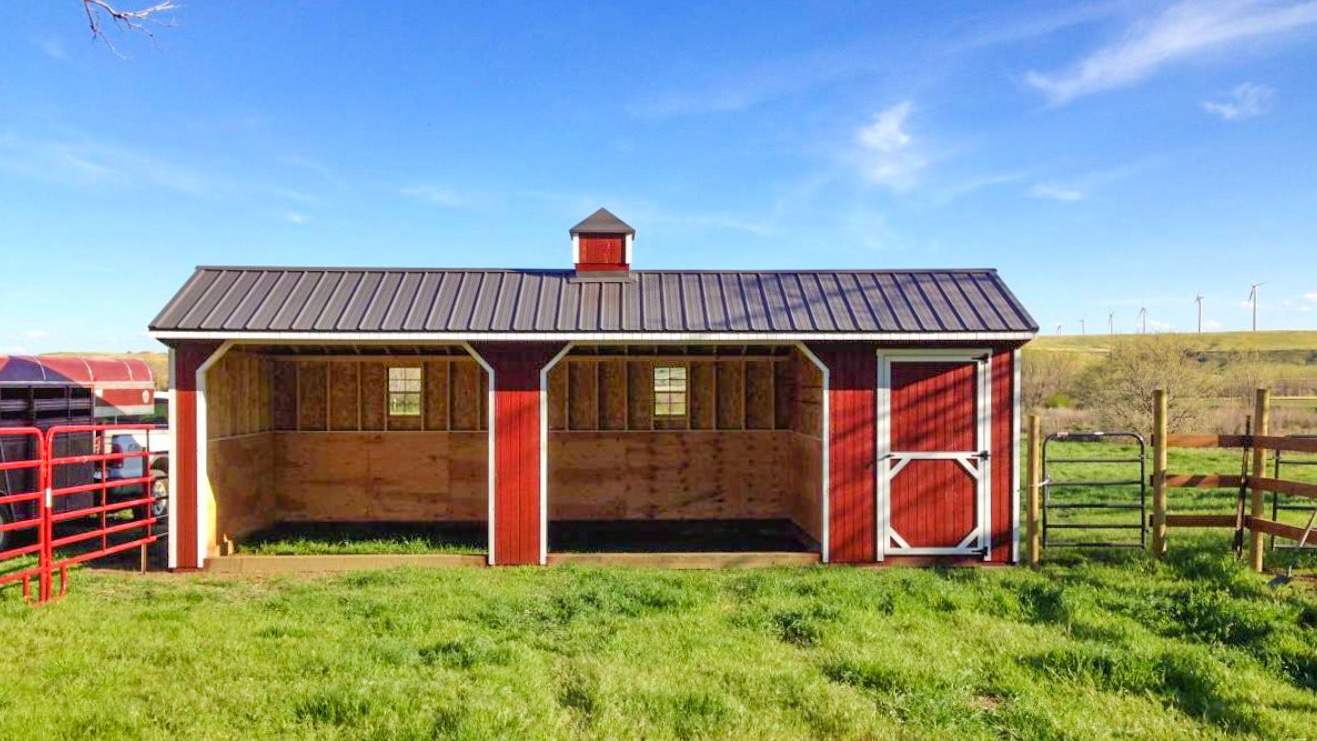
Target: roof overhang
<point>597,337</point>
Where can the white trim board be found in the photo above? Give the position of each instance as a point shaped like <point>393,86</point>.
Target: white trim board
<point>825,453</point>
<point>614,337</point>
<point>204,492</point>
<point>493,437</point>
<point>979,540</point>
<point>544,451</point>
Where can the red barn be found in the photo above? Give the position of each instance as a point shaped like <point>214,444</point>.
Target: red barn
<point>872,413</point>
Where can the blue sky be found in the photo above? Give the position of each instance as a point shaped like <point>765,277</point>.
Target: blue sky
<point>1105,156</point>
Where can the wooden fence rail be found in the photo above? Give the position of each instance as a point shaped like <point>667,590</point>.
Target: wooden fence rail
<point>1254,483</point>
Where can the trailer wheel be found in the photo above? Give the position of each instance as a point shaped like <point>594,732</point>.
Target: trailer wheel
<point>159,507</point>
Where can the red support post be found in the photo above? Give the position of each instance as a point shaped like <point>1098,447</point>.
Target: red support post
<point>188,358</point>
<point>518,448</point>
<point>852,436</point>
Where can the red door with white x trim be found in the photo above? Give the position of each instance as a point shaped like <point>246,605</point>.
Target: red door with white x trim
<point>934,461</point>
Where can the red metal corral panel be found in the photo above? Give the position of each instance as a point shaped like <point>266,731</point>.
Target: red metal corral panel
<point>517,447</point>
<point>1004,464</point>
<point>853,381</point>
<point>933,410</point>
<point>602,253</point>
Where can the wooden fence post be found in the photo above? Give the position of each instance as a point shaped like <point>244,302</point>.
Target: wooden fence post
<point>1035,488</point>
<point>1159,463</point>
<point>1261,425</point>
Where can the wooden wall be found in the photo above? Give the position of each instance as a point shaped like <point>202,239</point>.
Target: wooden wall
<point>670,475</point>
<point>396,476</point>
<point>239,455</point>
<point>589,394</point>
<point>349,395</point>
<point>749,447</point>
<point>238,396</point>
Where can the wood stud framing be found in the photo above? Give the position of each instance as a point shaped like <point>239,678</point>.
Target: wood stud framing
<point>592,393</point>
<point>350,394</point>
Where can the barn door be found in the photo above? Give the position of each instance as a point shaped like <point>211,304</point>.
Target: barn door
<point>933,462</point>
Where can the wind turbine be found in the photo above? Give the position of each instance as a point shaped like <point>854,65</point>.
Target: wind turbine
<point>1253,297</point>
<point>1143,318</point>
<point>1058,328</point>
<point>1199,300</point>
<point>1111,323</point>
<point>1083,330</point>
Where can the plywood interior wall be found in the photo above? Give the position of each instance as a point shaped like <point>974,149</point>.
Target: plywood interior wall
<point>240,415</point>
<point>591,394</point>
<point>348,395</point>
<point>396,476</point>
<point>750,447</point>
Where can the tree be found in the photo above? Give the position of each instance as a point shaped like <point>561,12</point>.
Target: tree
<point>1120,389</point>
<point>1047,374</point>
<point>129,20</point>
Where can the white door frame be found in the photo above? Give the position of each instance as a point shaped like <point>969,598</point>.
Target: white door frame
<point>977,464</point>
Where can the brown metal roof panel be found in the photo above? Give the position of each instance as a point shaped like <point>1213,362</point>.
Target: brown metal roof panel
<point>360,302</point>
<point>337,301</point>
<point>401,303</point>
<point>441,312</point>
<point>950,315</point>
<point>483,301</point>
<point>205,302</point>
<point>240,318</point>
<point>863,316</point>
<point>295,301</point>
<point>173,311</point>
<point>325,283</point>
<point>380,302</point>
<point>423,301</point>
<point>229,301</point>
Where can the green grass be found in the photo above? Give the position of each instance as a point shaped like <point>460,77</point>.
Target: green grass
<point>331,539</point>
<point>1113,646</point>
<point>1095,645</point>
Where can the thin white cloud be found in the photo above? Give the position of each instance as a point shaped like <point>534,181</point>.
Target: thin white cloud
<point>1037,23</point>
<point>1310,297</point>
<point>888,155</point>
<point>86,161</point>
<point>1182,31</point>
<point>16,350</point>
<point>1247,100</point>
<point>294,217</point>
<point>36,334</point>
<point>53,49</point>
<point>435,195</point>
<point>1055,192</point>
<point>1079,188</point>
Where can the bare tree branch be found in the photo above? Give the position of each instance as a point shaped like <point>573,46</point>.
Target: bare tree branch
<point>128,20</point>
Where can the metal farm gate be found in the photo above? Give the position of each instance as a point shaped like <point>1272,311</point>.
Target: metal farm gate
<point>1107,494</point>
<point>71,494</point>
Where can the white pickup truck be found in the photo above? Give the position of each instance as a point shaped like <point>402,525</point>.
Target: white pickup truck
<point>156,465</point>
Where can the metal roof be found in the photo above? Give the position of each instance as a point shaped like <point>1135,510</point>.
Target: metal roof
<point>219,300</point>
<point>602,222</point>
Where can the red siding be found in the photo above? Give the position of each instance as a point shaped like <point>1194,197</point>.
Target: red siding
<point>602,253</point>
<point>934,408</point>
<point>188,357</point>
<point>517,448</point>
<point>853,380</point>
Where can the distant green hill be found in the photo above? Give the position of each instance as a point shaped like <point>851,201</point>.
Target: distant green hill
<point>1284,348</point>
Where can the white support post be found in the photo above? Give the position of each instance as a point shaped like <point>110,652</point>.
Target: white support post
<point>544,452</point>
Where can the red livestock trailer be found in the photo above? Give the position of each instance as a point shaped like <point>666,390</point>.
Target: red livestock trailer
<point>44,392</point>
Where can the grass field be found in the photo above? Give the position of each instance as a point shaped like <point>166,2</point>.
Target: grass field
<point>1095,645</point>
<point>1210,342</point>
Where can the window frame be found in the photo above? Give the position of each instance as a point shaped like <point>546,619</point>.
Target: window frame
<point>673,394</point>
<point>405,392</point>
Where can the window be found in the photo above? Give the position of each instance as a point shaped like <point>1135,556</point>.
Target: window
<point>670,392</point>
<point>404,392</point>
